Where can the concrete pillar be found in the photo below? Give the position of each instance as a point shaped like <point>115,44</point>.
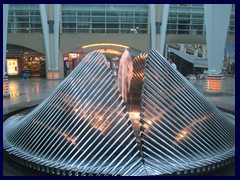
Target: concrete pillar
<point>5,27</point>
<point>45,36</point>
<point>217,17</point>
<point>153,26</point>
<point>56,35</point>
<point>164,27</point>
<point>50,15</point>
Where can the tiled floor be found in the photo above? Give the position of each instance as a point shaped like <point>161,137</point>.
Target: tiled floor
<point>24,92</point>
<point>224,100</point>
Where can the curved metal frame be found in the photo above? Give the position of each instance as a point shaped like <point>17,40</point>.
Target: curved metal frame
<point>84,128</point>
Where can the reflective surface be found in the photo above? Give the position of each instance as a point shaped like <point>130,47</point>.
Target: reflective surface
<point>180,128</point>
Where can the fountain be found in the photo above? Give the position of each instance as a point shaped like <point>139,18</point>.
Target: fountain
<point>164,126</point>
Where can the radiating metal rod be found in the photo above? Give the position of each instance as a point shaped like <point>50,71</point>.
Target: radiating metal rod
<point>84,127</point>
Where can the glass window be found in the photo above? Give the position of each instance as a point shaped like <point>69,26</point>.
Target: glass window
<point>113,7</point>
<point>172,21</point>
<point>83,25</point>
<point>68,13</point>
<point>128,7</point>
<point>98,13</point>
<point>141,20</point>
<point>112,19</point>
<point>172,15</point>
<point>106,18</point>
<point>185,9</point>
<point>113,26</point>
<point>127,20</point>
<point>98,19</point>
<point>69,19</point>
<point>98,7</point>
<point>36,25</point>
<point>172,26</point>
<point>183,16</point>
<point>98,28</point>
<point>23,25</point>
<point>19,7</point>
<point>35,13</point>
<point>83,13</point>
<point>83,7</point>
<point>67,30</point>
<point>173,9</point>
<point>182,20</point>
<point>83,19</point>
<point>21,13</point>
<point>111,13</point>
<point>127,26</point>
<point>197,21</point>
<point>34,6</point>
<point>127,14</point>
<point>141,14</point>
<point>11,18</point>
<point>70,7</point>
<point>198,16</point>
<point>24,18</point>
<point>69,25</point>
<point>35,18</point>
<point>143,8</point>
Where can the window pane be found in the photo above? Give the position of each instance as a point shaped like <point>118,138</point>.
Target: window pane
<point>112,19</point>
<point>69,19</point>
<point>98,7</point>
<point>21,13</point>
<point>109,16</point>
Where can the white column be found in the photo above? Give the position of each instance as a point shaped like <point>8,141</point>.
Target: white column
<point>45,35</point>
<point>153,26</point>
<point>56,35</point>
<point>5,26</point>
<point>217,17</point>
<point>164,27</point>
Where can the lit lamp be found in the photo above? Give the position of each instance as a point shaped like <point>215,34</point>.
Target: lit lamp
<point>5,86</point>
<point>213,82</point>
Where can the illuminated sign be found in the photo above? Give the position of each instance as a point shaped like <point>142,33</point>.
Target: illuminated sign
<point>12,66</point>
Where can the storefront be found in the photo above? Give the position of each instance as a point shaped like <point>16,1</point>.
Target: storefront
<point>71,60</point>
<point>24,63</point>
<point>32,64</point>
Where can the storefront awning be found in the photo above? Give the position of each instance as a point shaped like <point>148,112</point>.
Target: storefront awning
<point>196,61</point>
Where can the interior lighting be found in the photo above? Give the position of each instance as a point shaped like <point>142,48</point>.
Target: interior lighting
<point>110,51</point>
<point>105,44</point>
<point>214,84</point>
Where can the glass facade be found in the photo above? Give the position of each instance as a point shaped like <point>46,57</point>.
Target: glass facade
<point>24,18</point>
<point>186,19</point>
<point>104,18</point>
<point>189,19</point>
<point>112,18</point>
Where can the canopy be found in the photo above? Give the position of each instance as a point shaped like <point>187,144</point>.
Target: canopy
<point>196,61</point>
